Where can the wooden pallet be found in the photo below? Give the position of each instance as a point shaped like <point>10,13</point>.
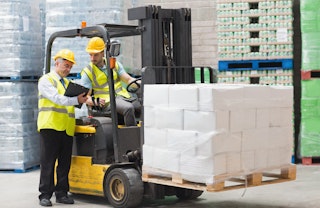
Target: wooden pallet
<point>310,160</point>
<point>228,182</point>
<point>19,170</point>
<point>255,64</point>
<point>308,74</point>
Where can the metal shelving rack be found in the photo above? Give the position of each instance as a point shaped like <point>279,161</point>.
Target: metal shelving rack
<point>256,35</point>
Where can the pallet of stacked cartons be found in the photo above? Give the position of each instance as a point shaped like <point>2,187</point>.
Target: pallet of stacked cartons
<point>255,34</point>
<point>201,136</point>
<point>68,14</point>
<point>22,64</point>
<point>310,83</point>
<point>21,39</point>
<point>19,139</point>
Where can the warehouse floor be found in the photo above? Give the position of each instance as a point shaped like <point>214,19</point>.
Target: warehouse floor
<point>21,190</point>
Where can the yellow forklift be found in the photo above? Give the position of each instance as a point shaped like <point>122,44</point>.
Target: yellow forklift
<point>107,156</point>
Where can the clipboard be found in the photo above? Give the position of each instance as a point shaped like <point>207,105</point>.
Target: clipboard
<point>75,89</point>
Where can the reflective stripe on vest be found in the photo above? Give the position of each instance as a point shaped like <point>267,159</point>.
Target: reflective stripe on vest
<point>100,82</point>
<point>58,110</point>
<point>52,115</point>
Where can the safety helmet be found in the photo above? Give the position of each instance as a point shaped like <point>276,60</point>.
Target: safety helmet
<point>95,45</point>
<point>65,54</point>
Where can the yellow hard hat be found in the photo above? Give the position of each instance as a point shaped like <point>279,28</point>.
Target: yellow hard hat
<point>95,45</point>
<point>65,54</point>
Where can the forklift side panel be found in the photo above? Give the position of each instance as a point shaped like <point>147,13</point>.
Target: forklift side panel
<point>99,145</point>
<point>129,140</point>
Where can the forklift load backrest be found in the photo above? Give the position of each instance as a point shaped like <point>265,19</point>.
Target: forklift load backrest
<point>178,75</point>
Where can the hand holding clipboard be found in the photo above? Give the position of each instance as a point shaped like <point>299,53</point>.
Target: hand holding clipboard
<point>75,89</point>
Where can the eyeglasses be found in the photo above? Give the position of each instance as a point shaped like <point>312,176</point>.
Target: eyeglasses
<point>66,65</point>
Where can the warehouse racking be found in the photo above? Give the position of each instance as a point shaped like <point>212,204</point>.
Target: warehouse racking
<point>307,82</point>
<point>255,35</point>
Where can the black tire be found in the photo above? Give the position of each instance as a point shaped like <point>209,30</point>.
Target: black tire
<point>187,194</point>
<point>124,187</point>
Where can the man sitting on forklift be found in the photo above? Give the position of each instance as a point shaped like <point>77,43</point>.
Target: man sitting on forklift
<point>95,77</point>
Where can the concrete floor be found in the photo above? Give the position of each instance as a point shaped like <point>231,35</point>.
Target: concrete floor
<point>21,190</point>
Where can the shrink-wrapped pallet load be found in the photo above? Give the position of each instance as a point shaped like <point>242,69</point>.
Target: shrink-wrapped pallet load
<point>201,131</point>
<point>69,14</point>
<point>21,46</point>
<point>19,139</point>
<point>22,57</point>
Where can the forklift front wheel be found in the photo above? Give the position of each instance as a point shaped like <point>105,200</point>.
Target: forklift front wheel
<point>124,187</point>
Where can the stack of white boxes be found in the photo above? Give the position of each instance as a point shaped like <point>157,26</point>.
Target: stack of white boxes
<point>200,131</point>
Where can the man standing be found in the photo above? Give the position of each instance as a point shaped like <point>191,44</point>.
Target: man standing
<point>95,77</point>
<point>56,124</point>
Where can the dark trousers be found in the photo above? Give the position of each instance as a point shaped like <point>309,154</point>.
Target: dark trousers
<point>128,110</point>
<point>54,145</point>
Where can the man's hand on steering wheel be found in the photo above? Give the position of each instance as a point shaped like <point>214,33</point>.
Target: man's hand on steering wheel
<point>134,85</point>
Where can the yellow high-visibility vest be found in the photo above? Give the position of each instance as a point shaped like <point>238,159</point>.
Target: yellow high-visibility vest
<point>52,115</point>
<point>100,85</point>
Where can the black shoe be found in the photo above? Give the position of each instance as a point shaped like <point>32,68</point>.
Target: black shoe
<point>65,200</point>
<point>45,202</point>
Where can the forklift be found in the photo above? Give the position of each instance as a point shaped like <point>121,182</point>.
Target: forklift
<point>107,156</point>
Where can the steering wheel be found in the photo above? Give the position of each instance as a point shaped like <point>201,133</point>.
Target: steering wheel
<point>133,89</point>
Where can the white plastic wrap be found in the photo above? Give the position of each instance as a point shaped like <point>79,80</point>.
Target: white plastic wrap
<point>222,130</point>
<point>68,14</point>
<point>19,139</point>
<point>20,159</point>
<point>21,46</point>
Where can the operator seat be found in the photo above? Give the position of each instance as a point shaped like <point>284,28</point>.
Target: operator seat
<point>98,145</point>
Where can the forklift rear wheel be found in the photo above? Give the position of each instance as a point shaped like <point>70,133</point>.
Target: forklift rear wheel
<point>187,194</point>
<point>124,187</point>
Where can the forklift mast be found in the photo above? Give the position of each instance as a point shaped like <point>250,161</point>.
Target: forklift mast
<point>166,38</point>
<point>166,45</point>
